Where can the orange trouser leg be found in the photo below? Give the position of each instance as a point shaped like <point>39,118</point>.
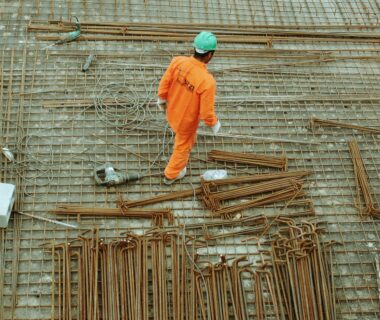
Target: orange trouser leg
<point>183,143</point>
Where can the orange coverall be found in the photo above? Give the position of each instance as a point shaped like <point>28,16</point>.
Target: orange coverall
<point>189,90</point>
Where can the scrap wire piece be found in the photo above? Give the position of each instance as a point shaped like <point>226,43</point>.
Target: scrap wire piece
<point>362,183</point>
<point>250,159</point>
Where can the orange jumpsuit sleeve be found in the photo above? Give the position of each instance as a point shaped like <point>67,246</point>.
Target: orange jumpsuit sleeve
<point>166,81</point>
<point>207,103</point>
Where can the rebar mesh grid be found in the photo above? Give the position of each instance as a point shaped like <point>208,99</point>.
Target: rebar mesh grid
<point>48,119</point>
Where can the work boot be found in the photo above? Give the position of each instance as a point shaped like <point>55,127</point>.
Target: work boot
<point>180,176</point>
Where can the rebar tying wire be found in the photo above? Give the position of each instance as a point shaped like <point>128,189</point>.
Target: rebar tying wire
<point>40,166</point>
<point>117,105</point>
<point>120,106</point>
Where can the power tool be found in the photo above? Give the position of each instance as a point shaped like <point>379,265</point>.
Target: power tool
<point>71,36</point>
<point>107,175</point>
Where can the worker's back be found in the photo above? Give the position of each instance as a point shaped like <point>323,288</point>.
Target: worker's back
<point>190,92</point>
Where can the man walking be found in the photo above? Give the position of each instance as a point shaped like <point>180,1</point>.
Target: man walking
<point>187,93</point>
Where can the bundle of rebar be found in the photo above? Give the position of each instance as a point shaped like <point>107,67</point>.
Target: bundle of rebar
<point>159,275</point>
<point>249,158</point>
<point>129,278</point>
<point>265,34</point>
<point>220,292</point>
<point>331,123</point>
<point>251,220</point>
<point>362,183</point>
<point>157,215</point>
<point>252,225</point>
<point>287,194</point>
<point>220,182</point>
<point>213,200</point>
<point>277,187</point>
<point>269,192</point>
<point>261,177</point>
<point>295,279</point>
<point>140,278</point>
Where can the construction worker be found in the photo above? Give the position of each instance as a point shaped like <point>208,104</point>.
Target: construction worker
<point>187,93</point>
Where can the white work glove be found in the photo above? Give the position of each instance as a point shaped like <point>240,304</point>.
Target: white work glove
<point>161,104</point>
<point>216,128</point>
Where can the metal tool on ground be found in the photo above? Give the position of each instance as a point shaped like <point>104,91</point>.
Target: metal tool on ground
<point>88,62</point>
<point>107,175</point>
<point>71,36</point>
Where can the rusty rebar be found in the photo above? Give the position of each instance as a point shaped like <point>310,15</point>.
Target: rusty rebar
<point>250,159</point>
<point>213,200</point>
<point>362,183</point>
<point>220,182</point>
<point>286,194</point>
<point>157,215</point>
<point>331,123</point>
<point>149,277</point>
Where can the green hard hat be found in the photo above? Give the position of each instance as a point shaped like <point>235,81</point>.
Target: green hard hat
<point>205,41</point>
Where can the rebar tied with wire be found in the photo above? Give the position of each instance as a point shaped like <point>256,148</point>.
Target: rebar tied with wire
<point>157,215</point>
<point>294,279</point>
<point>159,275</point>
<point>138,277</point>
<point>267,192</point>
<point>175,195</point>
<point>213,200</point>
<point>120,279</point>
<point>220,292</point>
<point>331,123</point>
<point>250,159</point>
<point>362,183</point>
<point>291,280</point>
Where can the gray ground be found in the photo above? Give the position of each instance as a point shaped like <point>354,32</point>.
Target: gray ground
<point>273,94</point>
